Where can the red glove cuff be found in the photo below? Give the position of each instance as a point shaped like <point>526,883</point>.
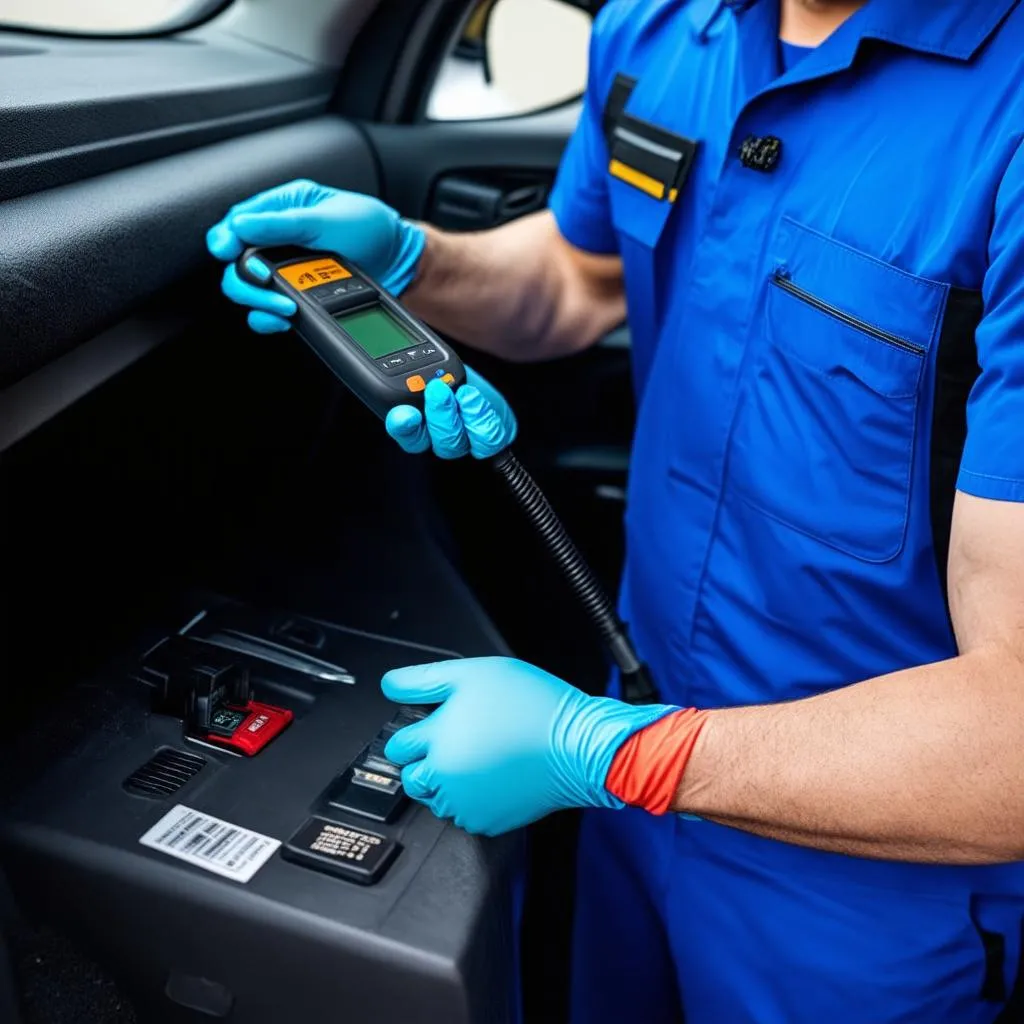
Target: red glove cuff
<point>647,768</point>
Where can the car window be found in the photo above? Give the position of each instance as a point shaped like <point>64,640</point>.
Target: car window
<point>512,57</point>
<point>103,17</point>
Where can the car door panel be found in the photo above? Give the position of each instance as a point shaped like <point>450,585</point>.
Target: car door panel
<point>202,447</point>
<point>74,108</point>
<point>74,259</point>
<point>414,157</point>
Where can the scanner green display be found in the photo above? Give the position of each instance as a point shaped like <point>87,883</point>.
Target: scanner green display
<point>375,331</point>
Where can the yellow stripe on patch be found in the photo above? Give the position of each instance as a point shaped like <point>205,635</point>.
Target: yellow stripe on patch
<point>637,179</point>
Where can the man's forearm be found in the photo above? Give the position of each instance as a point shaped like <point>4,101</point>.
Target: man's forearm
<point>922,765</point>
<point>519,291</point>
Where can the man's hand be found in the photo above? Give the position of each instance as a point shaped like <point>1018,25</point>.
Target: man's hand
<point>922,765</point>
<point>519,291</point>
<point>509,742</point>
<point>304,213</point>
<point>475,420</point>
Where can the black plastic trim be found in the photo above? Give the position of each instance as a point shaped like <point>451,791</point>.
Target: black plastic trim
<point>400,48</point>
<point>28,403</point>
<point>75,260</point>
<point>74,108</point>
<point>414,157</point>
<point>167,771</point>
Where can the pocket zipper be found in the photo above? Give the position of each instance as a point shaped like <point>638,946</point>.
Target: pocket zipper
<point>783,282</point>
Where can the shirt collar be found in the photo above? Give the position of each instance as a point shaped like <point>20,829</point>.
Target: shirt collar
<point>948,28</point>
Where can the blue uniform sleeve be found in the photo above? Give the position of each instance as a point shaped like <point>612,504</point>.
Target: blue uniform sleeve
<point>579,199</point>
<point>993,461</point>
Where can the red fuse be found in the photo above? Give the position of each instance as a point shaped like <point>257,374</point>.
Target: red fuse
<point>248,729</point>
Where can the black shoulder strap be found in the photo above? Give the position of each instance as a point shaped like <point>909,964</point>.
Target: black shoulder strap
<point>956,370</point>
<point>618,96</point>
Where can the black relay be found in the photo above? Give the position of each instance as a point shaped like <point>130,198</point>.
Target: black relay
<point>341,849</point>
<point>371,786</point>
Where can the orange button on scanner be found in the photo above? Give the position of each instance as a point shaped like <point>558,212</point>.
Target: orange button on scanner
<point>447,379</point>
<point>415,382</point>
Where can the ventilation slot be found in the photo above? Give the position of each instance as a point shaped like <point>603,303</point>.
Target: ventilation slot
<point>164,773</point>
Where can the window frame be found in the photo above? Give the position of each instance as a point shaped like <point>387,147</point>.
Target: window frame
<point>190,14</point>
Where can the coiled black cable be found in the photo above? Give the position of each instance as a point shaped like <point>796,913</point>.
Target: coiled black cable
<point>637,687</point>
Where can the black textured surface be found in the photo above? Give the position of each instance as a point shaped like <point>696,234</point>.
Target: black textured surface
<point>428,942</point>
<point>60,985</point>
<point>93,713</point>
<point>139,230</point>
<point>74,108</point>
<point>415,156</point>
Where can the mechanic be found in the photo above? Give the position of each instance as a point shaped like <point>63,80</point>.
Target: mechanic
<point>814,214</point>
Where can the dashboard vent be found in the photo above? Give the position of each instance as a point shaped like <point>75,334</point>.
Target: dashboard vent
<point>164,773</point>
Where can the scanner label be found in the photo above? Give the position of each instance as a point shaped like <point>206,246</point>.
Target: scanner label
<point>312,273</point>
<point>218,846</point>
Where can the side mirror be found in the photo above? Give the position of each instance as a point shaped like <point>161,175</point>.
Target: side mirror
<point>514,57</point>
<point>472,43</point>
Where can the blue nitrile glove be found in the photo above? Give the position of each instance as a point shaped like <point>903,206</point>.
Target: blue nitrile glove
<point>358,226</point>
<point>478,421</point>
<point>508,744</point>
<point>475,420</point>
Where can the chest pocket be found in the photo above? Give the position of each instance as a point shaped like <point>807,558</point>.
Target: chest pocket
<point>827,425</point>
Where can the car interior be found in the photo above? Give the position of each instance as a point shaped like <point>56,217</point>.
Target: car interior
<point>197,519</point>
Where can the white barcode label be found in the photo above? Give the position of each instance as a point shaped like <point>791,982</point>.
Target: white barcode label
<point>210,843</point>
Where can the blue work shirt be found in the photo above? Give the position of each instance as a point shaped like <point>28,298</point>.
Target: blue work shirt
<point>787,327</point>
